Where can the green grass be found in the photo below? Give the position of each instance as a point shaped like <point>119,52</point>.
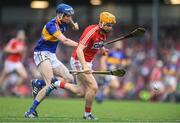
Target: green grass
<point>71,110</point>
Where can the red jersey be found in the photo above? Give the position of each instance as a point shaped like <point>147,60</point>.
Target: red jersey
<point>91,38</point>
<point>15,45</point>
<point>156,74</point>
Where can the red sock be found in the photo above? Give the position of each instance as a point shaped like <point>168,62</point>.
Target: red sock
<point>62,85</point>
<point>88,109</point>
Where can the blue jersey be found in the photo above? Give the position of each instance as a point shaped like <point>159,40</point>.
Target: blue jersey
<point>48,40</point>
<point>115,58</point>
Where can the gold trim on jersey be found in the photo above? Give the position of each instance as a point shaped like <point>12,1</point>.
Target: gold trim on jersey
<point>114,60</point>
<point>49,37</point>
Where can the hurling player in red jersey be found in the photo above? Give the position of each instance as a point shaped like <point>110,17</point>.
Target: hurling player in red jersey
<point>13,63</point>
<point>82,57</point>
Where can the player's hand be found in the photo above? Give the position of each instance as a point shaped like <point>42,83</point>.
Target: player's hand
<point>75,26</point>
<point>104,51</point>
<point>87,70</point>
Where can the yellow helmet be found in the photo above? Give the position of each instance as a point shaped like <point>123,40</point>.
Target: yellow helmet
<point>106,17</point>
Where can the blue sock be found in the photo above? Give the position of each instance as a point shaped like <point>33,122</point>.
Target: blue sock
<point>40,83</point>
<point>34,105</point>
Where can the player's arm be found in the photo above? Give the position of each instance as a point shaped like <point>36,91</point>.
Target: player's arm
<point>54,30</point>
<point>83,43</point>
<point>66,41</point>
<point>103,65</point>
<point>8,49</point>
<point>24,52</point>
<point>11,48</point>
<point>74,25</point>
<point>104,51</point>
<point>80,55</point>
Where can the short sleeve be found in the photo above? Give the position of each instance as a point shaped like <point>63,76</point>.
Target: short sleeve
<point>12,43</point>
<point>87,36</point>
<point>53,29</point>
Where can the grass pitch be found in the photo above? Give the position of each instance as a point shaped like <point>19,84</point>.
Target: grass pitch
<point>71,110</point>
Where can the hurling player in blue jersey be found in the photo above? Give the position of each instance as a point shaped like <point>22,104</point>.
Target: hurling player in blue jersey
<point>114,59</point>
<point>45,57</point>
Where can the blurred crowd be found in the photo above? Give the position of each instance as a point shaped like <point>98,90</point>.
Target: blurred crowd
<point>152,69</point>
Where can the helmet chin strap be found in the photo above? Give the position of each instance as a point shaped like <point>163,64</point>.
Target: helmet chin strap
<point>101,24</point>
<point>60,16</point>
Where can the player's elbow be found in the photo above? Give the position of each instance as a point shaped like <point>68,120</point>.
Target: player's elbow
<point>79,49</point>
<point>7,49</point>
<point>79,52</point>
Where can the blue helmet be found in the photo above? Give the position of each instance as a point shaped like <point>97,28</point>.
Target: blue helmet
<point>64,8</point>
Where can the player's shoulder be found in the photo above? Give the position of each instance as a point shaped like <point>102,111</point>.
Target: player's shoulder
<point>13,40</point>
<point>90,27</point>
<point>51,22</point>
<point>113,52</point>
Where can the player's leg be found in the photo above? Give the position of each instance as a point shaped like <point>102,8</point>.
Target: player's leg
<point>8,68</point>
<point>112,86</point>
<point>3,77</point>
<point>62,71</point>
<point>47,74</point>
<point>89,85</point>
<point>20,69</point>
<point>22,73</point>
<point>37,85</point>
<point>91,88</point>
<point>111,83</point>
<point>102,84</point>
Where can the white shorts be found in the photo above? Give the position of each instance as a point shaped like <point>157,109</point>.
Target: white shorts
<point>109,78</point>
<point>43,55</point>
<point>12,66</point>
<point>159,85</point>
<point>76,64</point>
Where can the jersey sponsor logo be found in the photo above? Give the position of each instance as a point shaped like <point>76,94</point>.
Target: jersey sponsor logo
<point>97,45</point>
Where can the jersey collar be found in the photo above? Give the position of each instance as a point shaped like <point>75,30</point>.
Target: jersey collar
<point>58,21</point>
